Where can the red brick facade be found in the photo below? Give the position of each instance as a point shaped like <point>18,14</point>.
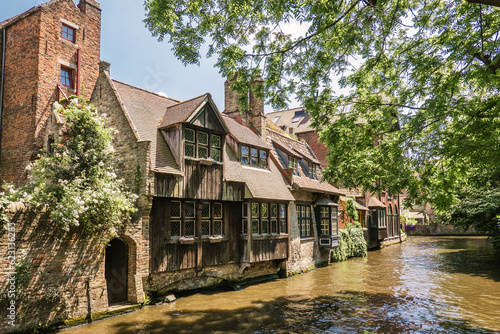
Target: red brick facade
<point>34,54</point>
<point>312,139</point>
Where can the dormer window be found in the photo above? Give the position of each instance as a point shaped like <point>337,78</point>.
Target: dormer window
<point>253,156</point>
<point>202,145</point>
<point>292,163</point>
<point>313,171</point>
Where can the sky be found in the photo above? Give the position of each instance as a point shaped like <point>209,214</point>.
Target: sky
<point>139,59</point>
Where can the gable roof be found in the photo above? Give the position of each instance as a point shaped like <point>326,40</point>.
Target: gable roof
<point>302,180</point>
<point>375,203</point>
<point>144,111</point>
<point>243,134</point>
<point>187,111</point>
<point>293,147</point>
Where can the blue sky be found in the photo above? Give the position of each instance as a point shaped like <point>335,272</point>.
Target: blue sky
<point>139,59</point>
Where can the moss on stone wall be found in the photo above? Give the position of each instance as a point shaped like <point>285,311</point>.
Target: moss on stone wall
<point>352,243</point>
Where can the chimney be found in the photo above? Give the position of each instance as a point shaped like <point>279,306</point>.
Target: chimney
<point>258,119</point>
<point>87,6</point>
<point>104,66</point>
<point>230,99</point>
<point>256,102</point>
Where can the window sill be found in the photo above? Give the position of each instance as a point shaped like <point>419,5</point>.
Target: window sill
<point>306,239</point>
<point>68,42</point>
<point>265,236</point>
<point>175,240</point>
<point>204,161</point>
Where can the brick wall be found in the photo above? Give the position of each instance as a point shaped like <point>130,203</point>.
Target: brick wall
<point>312,139</point>
<point>34,55</point>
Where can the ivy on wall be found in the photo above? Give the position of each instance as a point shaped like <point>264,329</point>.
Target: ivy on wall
<point>352,243</point>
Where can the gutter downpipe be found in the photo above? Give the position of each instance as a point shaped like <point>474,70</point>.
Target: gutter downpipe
<point>2,81</point>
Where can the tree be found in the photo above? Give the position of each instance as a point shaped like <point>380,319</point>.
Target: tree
<point>422,112</point>
<point>76,182</point>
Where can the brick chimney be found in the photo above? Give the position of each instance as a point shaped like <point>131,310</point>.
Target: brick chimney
<point>258,119</point>
<point>89,7</point>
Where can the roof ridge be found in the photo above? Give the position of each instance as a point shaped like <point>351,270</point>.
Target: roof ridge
<point>194,98</point>
<point>147,91</point>
<point>285,136</point>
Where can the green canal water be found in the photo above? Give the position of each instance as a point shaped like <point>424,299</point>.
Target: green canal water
<point>425,285</point>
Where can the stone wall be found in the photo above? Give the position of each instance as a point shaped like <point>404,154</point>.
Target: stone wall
<point>223,275</point>
<point>440,229</point>
<point>54,275</point>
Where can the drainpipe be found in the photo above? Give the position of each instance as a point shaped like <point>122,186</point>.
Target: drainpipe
<point>78,65</point>
<point>2,80</point>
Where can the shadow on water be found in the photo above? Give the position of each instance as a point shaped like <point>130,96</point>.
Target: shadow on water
<point>471,256</point>
<point>347,312</point>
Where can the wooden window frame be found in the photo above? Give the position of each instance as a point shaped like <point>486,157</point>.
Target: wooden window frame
<point>258,157</point>
<point>281,220</point>
<point>64,34</point>
<point>293,164</point>
<point>381,218</point>
<point>183,218</point>
<point>209,145</point>
<point>333,221</point>
<point>313,171</point>
<point>71,76</point>
<point>304,220</point>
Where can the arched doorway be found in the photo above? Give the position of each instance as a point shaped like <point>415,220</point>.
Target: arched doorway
<point>116,270</point>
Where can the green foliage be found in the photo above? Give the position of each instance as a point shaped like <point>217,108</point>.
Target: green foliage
<point>352,211</point>
<point>479,208</point>
<point>423,73</point>
<point>352,243</point>
<point>76,182</point>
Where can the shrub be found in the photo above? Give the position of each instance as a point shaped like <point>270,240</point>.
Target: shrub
<point>352,243</point>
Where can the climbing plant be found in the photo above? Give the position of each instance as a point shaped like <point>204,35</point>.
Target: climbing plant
<point>76,181</point>
<point>351,244</point>
<point>352,213</point>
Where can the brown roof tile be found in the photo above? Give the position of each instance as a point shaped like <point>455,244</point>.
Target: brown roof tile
<point>180,112</point>
<point>261,183</point>
<point>301,181</point>
<point>145,110</point>
<point>243,134</point>
<point>375,203</point>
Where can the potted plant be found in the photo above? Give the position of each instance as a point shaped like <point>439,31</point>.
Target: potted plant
<point>186,240</point>
<point>215,238</point>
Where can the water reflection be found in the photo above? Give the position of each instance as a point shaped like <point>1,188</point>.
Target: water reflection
<point>426,285</point>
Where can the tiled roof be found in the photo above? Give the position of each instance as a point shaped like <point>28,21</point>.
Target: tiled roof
<point>302,180</point>
<point>145,110</point>
<point>296,118</point>
<point>294,147</point>
<point>261,183</point>
<point>243,134</point>
<point>180,112</point>
<point>375,203</point>
<point>358,205</point>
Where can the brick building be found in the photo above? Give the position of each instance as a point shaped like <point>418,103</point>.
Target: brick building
<point>379,213</point>
<point>47,52</point>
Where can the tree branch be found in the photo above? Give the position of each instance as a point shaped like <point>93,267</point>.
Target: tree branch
<point>302,40</point>
<point>495,3</point>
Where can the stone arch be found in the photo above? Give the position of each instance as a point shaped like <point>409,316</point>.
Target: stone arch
<point>390,221</point>
<point>134,288</point>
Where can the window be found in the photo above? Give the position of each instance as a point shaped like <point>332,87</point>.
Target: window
<point>292,163</point>
<point>253,157</point>
<point>68,33</point>
<point>183,219</point>
<point>328,221</point>
<point>276,119</point>
<point>202,145</point>
<point>313,171</point>
<point>267,218</point>
<point>381,218</point>
<point>67,77</point>
<point>304,218</point>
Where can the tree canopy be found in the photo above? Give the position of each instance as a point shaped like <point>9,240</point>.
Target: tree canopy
<point>422,109</point>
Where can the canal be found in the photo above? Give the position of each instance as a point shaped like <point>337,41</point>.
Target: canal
<point>425,285</point>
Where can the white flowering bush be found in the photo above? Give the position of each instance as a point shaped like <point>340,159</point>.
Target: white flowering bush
<point>76,181</point>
